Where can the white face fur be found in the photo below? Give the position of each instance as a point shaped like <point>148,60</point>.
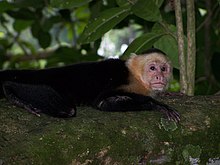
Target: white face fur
<point>154,70</point>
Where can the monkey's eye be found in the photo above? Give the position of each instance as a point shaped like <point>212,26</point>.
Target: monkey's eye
<point>163,69</point>
<point>152,68</point>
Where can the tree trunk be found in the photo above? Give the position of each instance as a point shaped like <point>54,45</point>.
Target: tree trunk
<point>181,47</point>
<point>191,47</point>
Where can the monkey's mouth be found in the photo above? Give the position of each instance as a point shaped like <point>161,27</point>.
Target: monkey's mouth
<point>158,85</point>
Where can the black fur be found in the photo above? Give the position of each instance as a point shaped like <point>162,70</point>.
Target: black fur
<point>37,99</point>
<point>70,85</point>
<point>57,91</point>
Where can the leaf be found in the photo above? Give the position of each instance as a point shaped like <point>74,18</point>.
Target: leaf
<point>122,2</point>
<point>20,25</point>
<point>44,39</point>
<point>22,13</point>
<point>164,27</point>
<point>169,46</point>
<point>35,29</point>
<point>68,3</point>
<point>32,3</point>
<point>4,6</point>
<point>142,43</point>
<point>159,3</point>
<point>99,26</point>
<point>48,23</point>
<point>148,10</point>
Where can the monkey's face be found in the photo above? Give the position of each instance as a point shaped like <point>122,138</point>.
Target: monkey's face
<point>157,73</point>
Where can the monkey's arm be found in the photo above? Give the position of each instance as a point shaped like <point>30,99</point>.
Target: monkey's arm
<point>123,101</point>
<point>38,99</point>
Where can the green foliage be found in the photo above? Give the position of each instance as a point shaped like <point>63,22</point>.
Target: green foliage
<point>22,13</point>
<point>142,43</point>
<point>123,2</point>
<point>44,39</point>
<point>168,45</point>
<point>4,6</point>
<point>68,3</point>
<point>32,3</point>
<point>147,10</point>
<point>20,25</point>
<point>106,21</point>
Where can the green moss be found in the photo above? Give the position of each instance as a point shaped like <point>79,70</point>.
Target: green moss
<point>95,137</point>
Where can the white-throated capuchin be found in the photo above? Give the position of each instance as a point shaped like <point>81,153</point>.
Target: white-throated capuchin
<point>109,85</point>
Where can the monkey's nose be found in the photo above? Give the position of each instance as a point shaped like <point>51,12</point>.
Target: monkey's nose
<point>159,77</point>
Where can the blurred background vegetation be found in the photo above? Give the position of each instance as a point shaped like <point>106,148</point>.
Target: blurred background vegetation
<point>48,33</point>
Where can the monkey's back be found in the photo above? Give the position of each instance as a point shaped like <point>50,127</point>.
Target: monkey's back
<point>79,82</point>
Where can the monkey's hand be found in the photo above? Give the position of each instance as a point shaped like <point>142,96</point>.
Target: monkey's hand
<point>169,112</point>
<point>152,104</point>
<point>134,102</point>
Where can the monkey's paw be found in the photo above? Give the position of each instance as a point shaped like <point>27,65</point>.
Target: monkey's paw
<point>170,113</point>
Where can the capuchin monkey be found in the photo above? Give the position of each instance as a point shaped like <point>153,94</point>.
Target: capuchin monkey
<point>111,85</point>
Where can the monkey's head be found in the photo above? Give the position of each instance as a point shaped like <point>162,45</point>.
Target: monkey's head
<point>153,69</point>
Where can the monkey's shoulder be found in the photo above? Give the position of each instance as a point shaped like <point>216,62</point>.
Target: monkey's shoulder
<point>112,64</point>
